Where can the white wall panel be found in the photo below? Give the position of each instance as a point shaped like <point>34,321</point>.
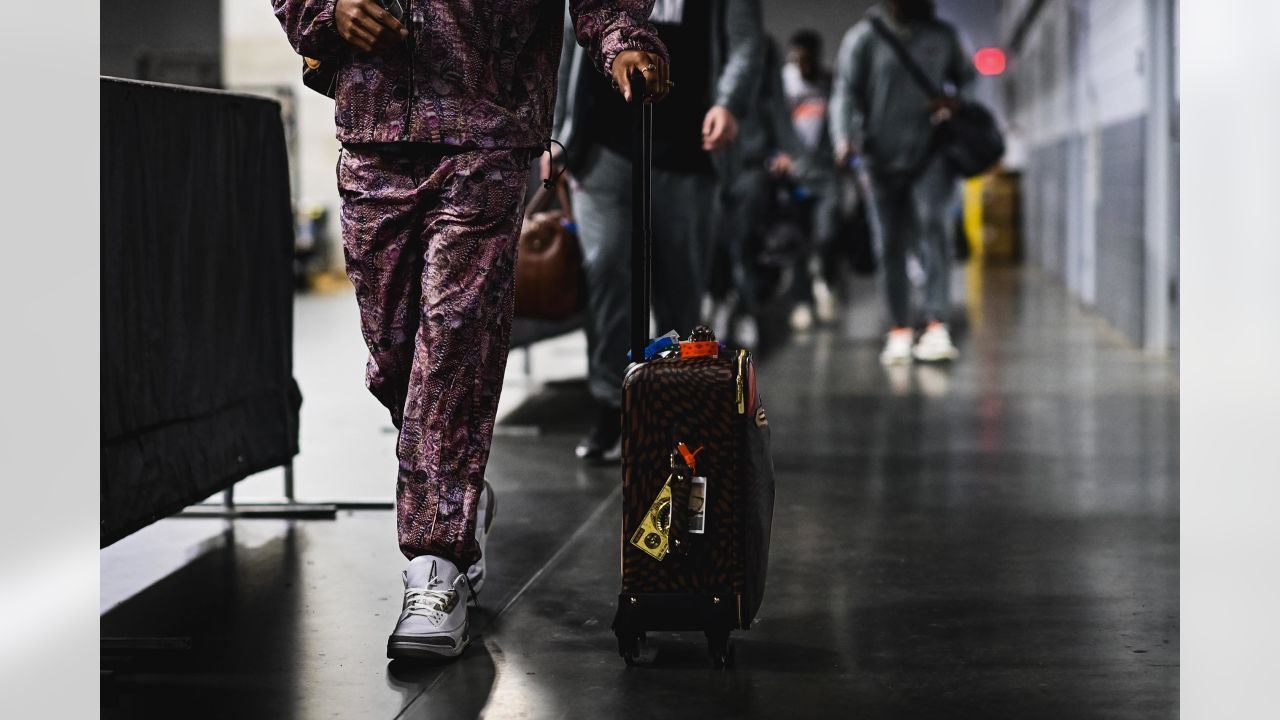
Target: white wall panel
<point>1079,95</point>
<point>1115,61</point>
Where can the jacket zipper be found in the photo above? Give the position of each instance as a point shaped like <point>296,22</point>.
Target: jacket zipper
<point>410,43</point>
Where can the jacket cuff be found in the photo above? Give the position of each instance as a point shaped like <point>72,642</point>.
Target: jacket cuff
<point>630,37</point>
<point>727,101</point>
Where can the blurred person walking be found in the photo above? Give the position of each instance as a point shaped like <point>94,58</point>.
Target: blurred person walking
<point>807,85</point>
<point>438,125</point>
<point>763,151</point>
<point>717,46</point>
<point>880,114</point>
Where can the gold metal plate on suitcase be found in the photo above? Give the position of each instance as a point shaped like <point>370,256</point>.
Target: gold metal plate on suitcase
<point>652,535</point>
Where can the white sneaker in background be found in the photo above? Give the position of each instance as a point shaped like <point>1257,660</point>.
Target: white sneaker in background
<point>801,318</point>
<point>746,332</point>
<point>720,316</point>
<point>824,302</point>
<point>433,620</point>
<point>897,347</point>
<point>485,511</point>
<point>935,345</point>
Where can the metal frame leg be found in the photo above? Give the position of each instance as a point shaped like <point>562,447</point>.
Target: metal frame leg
<point>289,509</point>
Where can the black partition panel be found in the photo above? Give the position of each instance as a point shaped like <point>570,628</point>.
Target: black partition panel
<point>197,298</point>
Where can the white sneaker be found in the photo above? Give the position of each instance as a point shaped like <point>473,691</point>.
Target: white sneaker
<point>485,511</point>
<point>897,348</point>
<point>824,302</point>
<point>746,332</point>
<point>935,345</point>
<point>801,318</point>
<point>433,621</point>
<point>720,316</point>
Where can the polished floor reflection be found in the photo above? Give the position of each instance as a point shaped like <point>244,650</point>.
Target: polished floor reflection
<point>996,539</point>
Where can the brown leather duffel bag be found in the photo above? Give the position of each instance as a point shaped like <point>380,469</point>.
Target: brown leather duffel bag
<point>549,259</point>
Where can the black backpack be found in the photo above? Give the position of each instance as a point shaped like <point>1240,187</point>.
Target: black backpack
<point>970,139</point>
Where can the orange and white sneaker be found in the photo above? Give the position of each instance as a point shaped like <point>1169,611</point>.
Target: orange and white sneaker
<point>935,345</point>
<point>897,347</point>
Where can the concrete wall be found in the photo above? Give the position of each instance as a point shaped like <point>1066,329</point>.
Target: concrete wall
<point>1079,97</point>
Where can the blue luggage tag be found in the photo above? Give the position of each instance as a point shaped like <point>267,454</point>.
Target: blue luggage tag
<point>658,345</point>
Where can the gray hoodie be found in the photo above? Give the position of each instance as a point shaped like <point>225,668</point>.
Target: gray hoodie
<point>875,104</point>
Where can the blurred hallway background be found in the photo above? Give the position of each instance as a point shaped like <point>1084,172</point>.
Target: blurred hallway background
<point>993,539</point>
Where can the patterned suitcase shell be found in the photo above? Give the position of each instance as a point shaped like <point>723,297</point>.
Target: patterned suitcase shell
<point>718,583</point>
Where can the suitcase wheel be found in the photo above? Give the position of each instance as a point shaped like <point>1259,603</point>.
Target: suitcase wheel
<point>631,647</point>
<point>720,650</point>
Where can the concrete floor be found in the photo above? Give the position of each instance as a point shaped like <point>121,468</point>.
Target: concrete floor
<point>998,539</point>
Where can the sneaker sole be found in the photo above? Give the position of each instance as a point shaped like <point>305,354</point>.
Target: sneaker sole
<point>944,357</point>
<point>403,647</point>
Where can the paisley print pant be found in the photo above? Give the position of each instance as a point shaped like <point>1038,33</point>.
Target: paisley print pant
<point>429,233</point>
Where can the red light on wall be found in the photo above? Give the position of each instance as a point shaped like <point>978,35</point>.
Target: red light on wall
<point>989,61</point>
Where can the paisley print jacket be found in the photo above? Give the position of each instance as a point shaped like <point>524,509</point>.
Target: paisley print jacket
<point>473,73</point>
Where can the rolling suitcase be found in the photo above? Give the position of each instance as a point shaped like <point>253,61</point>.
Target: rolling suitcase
<point>697,492</point>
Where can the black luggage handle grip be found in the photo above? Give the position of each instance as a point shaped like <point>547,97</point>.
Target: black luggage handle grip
<point>641,217</point>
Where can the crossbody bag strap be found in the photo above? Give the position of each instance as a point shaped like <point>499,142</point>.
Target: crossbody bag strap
<point>904,56</point>
<point>921,79</point>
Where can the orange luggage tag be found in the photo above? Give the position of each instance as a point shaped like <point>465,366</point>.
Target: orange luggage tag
<point>701,343</point>
<point>693,349</point>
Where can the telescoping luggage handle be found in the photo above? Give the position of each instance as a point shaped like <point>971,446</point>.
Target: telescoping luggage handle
<point>641,218</point>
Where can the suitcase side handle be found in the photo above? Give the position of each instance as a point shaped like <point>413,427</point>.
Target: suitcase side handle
<point>641,217</point>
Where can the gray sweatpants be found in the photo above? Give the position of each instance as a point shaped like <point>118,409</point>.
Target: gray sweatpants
<point>915,217</point>
<point>682,217</point>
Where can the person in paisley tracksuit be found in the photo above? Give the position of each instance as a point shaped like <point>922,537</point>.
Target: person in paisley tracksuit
<point>440,107</point>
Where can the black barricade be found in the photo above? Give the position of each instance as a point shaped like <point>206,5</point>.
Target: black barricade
<point>197,298</point>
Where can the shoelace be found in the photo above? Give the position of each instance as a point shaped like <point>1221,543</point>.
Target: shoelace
<point>427,602</point>
<point>434,603</point>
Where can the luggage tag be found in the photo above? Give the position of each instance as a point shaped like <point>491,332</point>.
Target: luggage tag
<point>653,536</point>
<point>697,491</point>
<point>697,505</point>
<point>701,343</point>
<point>690,349</point>
<point>659,346</point>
